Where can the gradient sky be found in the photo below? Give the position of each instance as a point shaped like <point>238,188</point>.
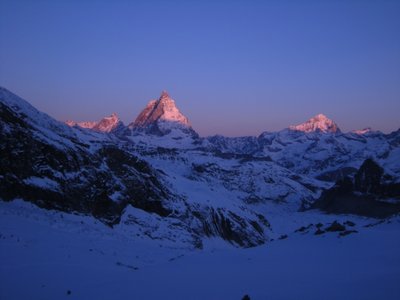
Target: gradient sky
<point>233,67</point>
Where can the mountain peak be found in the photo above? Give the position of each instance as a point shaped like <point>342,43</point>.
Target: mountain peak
<point>318,123</point>
<point>164,94</point>
<point>84,124</point>
<point>108,124</point>
<point>161,114</point>
<point>320,117</point>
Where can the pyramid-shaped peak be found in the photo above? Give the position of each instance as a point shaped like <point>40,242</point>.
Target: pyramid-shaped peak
<point>162,114</point>
<point>318,123</point>
<point>320,117</point>
<point>164,95</point>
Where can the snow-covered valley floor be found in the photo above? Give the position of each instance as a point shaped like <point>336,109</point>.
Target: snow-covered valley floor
<point>53,255</point>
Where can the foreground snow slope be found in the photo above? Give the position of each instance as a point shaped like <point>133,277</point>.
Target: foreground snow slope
<point>47,254</point>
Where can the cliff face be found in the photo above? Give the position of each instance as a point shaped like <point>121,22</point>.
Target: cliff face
<point>370,193</point>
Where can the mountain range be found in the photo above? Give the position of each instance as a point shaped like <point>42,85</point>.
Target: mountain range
<point>186,188</point>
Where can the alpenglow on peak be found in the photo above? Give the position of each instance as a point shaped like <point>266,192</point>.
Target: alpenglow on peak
<point>107,124</point>
<point>160,111</point>
<point>318,123</point>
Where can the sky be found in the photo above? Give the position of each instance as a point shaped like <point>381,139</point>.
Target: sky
<point>233,67</point>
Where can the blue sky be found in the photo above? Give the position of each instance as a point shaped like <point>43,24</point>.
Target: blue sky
<point>233,67</point>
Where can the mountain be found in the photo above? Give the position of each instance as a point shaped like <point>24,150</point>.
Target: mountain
<point>192,188</point>
<point>318,123</point>
<point>161,117</point>
<point>324,156</point>
<point>85,124</point>
<point>58,167</point>
<point>107,124</point>
<point>132,203</point>
<point>325,153</point>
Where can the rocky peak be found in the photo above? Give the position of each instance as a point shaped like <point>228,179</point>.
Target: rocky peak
<point>85,124</point>
<point>108,124</point>
<point>161,113</point>
<point>318,123</point>
<point>164,94</point>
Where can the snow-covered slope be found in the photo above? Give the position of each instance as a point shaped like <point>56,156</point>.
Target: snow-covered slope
<point>53,255</point>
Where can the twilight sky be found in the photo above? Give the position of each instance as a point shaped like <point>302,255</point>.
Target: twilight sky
<point>233,67</point>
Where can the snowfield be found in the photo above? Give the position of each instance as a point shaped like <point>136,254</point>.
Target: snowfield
<point>53,255</point>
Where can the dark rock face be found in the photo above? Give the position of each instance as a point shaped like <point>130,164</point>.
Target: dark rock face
<point>364,195</point>
<point>233,228</point>
<point>368,178</point>
<point>336,226</point>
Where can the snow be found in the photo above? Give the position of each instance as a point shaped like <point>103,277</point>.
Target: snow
<point>37,119</point>
<point>42,182</point>
<point>362,131</point>
<point>107,124</point>
<point>319,123</point>
<point>45,254</point>
<point>85,124</point>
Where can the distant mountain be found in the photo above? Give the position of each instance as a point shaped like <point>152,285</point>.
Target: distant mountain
<point>367,130</point>
<point>326,156</point>
<point>161,117</point>
<point>107,124</point>
<point>318,123</point>
<point>85,124</point>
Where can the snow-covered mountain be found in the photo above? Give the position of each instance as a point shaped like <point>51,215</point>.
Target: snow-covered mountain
<point>146,205</point>
<point>75,170</point>
<point>162,193</point>
<point>327,156</point>
<point>318,123</point>
<point>191,187</point>
<point>107,124</point>
<point>161,117</point>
